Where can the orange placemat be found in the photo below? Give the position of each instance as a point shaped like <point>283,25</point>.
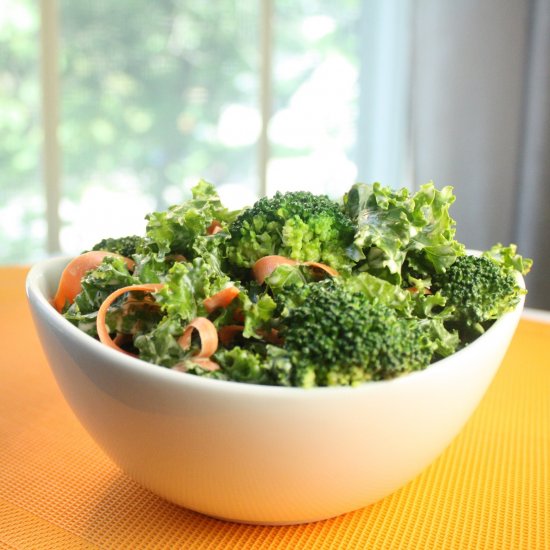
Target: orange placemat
<point>490,489</point>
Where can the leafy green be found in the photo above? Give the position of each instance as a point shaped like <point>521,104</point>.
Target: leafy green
<point>134,317</point>
<point>286,276</point>
<point>175,230</point>
<point>480,289</point>
<point>298,225</point>
<point>187,285</point>
<point>258,316</point>
<point>379,290</point>
<point>160,345</point>
<point>125,246</point>
<point>394,225</point>
<point>98,283</point>
<point>405,295</point>
<point>151,267</point>
<point>508,257</point>
<point>243,365</point>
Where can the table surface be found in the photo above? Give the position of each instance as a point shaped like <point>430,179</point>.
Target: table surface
<point>489,489</point>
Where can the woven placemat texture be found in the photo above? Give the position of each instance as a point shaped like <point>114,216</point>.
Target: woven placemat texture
<point>490,488</point>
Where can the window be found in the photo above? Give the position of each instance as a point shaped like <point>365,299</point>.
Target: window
<point>152,96</point>
<point>312,130</point>
<point>22,202</point>
<point>155,96</point>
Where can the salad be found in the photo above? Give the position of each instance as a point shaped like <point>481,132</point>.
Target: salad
<point>297,290</point>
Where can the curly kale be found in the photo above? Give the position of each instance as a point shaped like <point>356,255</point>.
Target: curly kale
<point>480,289</point>
<point>125,246</point>
<point>299,225</point>
<point>176,229</point>
<point>404,295</point>
<point>399,231</point>
<point>96,285</point>
<point>337,337</point>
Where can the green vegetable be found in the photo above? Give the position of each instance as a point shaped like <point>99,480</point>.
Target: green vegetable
<point>480,289</point>
<point>337,337</point>
<point>380,290</point>
<point>395,226</point>
<point>299,225</point>
<point>175,230</point>
<point>405,295</point>
<point>508,257</point>
<point>243,365</point>
<point>125,246</point>
<point>151,267</point>
<point>160,345</point>
<point>96,286</point>
<point>258,316</point>
<point>99,283</point>
<point>187,286</point>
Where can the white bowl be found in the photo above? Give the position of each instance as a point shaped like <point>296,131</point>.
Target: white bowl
<point>261,454</point>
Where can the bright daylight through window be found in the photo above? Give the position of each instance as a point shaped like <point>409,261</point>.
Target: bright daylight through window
<point>155,96</point>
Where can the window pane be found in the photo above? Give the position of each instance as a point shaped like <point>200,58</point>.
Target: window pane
<point>156,95</point>
<point>313,127</point>
<point>22,206</point>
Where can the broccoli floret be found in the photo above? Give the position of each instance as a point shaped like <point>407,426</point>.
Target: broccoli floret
<point>508,257</point>
<point>125,246</point>
<point>299,225</point>
<point>243,365</point>
<point>480,289</point>
<point>336,337</point>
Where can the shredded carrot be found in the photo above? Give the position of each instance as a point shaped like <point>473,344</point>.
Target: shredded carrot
<point>414,290</point>
<point>238,315</point>
<point>207,333</point>
<point>122,338</point>
<point>70,282</point>
<point>214,227</point>
<point>101,324</point>
<point>206,363</point>
<point>272,336</point>
<point>323,267</point>
<point>202,362</point>
<point>227,333</point>
<point>221,299</point>
<point>265,266</point>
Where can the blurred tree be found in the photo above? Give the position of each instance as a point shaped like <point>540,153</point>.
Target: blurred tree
<point>144,86</point>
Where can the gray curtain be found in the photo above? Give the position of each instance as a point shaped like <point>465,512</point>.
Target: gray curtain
<point>480,121</point>
<point>532,222</point>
